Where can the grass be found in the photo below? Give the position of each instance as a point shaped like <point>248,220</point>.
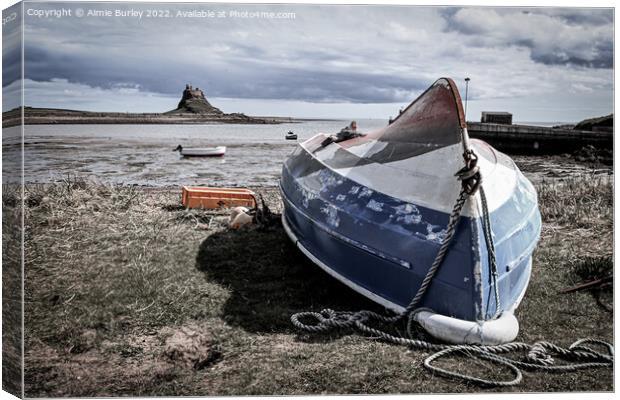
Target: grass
<point>592,268</point>
<point>577,202</point>
<point>127,293</point>
<point>12,304</point>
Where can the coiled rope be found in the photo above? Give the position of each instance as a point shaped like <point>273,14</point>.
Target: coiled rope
<point>539,356</point>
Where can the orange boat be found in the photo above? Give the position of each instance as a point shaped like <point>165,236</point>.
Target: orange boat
<point>211,198</point>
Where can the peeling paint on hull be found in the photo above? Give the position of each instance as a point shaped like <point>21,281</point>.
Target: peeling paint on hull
<point>372,221</point>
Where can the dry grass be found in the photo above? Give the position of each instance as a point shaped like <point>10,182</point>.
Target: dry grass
<point>11,292</point>
<point>584,202</point>
<point>129,294</point>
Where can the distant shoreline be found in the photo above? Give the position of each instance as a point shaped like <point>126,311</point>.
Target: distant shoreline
<point>54,116</point>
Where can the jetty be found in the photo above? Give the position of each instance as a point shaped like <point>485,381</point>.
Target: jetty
<point>527,139</point>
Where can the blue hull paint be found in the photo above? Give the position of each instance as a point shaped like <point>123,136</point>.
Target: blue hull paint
<point>516,229</point>
<point>383,277</point>
<point>386,246</point>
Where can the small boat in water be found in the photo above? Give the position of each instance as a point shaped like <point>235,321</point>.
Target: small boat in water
<point>372,210</point>
<point>291,136</point>
<point>218,151</point>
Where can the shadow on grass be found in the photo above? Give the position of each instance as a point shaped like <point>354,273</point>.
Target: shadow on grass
<point>269,279</point>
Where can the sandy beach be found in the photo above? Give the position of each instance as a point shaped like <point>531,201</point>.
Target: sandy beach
<point>131,294</point>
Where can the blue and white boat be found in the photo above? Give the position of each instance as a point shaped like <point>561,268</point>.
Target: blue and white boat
<point>372,210</point>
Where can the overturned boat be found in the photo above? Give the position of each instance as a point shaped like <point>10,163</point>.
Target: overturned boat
<point>372,210</point>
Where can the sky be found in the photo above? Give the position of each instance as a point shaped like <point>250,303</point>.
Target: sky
<point>541,64</point>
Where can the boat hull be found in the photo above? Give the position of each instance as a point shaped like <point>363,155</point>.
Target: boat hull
<point>373,209</point>
<point>449,329</point>
<point>219,151</point>
<point>386,252</point>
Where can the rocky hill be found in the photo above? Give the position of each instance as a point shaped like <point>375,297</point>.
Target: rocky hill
<point>194,108</point>
<point>193,101</point>
<point>601,124</point>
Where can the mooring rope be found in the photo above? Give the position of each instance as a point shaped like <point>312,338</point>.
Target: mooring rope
<point>488,238</point>
<point>539,355</point>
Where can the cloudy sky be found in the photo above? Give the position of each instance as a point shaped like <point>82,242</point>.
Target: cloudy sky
<point>541,64</point>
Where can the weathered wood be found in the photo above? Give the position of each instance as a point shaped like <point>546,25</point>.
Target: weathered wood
<point>588,285</point>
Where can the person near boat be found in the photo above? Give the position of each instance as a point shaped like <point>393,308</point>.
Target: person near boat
<point>346,133</point>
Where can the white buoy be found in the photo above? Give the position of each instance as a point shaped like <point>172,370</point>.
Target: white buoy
<point>239,217</point>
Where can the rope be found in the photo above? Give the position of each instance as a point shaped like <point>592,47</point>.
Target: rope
<point>455,217</point>
<point>539,356</point>
<point>488,237</point>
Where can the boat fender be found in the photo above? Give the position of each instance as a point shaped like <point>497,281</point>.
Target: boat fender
<point>453,330</point>
<point>239,217</point>
<point>236,211</point>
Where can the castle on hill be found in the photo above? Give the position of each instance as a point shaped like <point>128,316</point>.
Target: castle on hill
<point>190,93</point>
<point>193,101</point>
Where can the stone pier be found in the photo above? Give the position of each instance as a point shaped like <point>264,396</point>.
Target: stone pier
<point>525,139</point>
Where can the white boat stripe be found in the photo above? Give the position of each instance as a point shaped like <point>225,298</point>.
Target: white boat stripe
<point>428,179</point>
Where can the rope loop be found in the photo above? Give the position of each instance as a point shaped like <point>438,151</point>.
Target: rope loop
<point>538,354</point>
<point>324,321</point>
<point>586,352</point>
<point>469,175</point>
<point>474,352</point>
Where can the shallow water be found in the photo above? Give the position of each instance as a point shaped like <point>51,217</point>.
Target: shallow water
<point>142,154</point>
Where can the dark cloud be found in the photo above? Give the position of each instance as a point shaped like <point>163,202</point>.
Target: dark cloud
<point>11,46</point>
<point>580,16</point>
<point>11,63</point>
<point>580,37</point>
<point>246,79</point>
<point>236,60</point>
<point>604,57</point>
<point>327,54</point>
